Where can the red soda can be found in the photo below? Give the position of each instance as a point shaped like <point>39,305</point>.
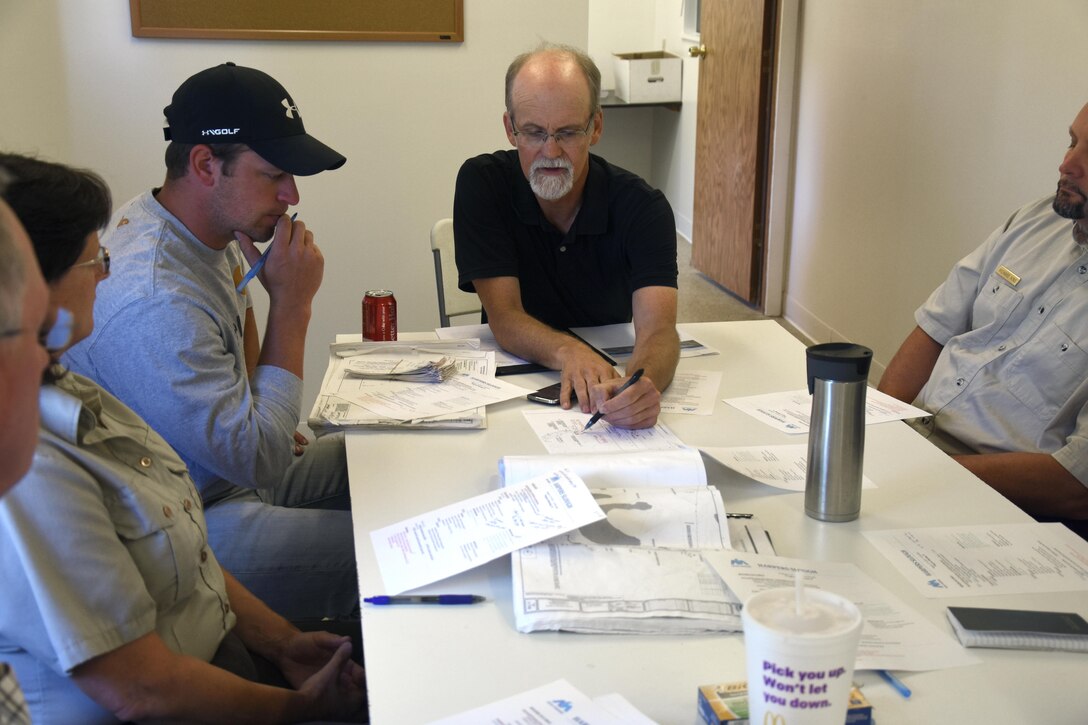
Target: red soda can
<point>379,315</point>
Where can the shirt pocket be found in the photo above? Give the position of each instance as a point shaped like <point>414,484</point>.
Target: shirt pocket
<point>1046,371</point>
<point>164,544</point>
<point>992,309</point>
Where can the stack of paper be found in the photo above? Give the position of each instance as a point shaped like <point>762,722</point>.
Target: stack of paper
<point>416,369</point>
<point>639,570</point>
<point>348,400</point>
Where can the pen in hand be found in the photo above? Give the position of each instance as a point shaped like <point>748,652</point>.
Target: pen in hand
<point>630,381</point>
<point>259,265</point>
<point>426,599</point>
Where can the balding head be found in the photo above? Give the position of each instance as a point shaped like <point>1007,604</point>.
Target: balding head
<point>557,64</point>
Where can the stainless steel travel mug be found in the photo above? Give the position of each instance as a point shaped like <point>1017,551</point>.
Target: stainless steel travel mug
<point>837,378</point>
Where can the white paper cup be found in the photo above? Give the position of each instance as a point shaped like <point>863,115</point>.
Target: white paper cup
<point>800,666</point>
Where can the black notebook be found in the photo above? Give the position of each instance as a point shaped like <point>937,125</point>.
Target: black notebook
<point>1019,629</point>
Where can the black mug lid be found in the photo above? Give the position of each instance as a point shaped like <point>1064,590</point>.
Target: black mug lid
<point>842,362</point>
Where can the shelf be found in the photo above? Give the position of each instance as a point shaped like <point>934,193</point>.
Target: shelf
<point>610,100</point>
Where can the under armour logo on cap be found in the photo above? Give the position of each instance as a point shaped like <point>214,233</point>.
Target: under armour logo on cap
<point>291,110</point>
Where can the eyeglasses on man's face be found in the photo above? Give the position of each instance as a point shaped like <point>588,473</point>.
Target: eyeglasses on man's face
<point>101,260</point>
<point>567,138</point>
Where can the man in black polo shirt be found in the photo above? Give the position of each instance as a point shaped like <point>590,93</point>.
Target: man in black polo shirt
<point>552,237</point>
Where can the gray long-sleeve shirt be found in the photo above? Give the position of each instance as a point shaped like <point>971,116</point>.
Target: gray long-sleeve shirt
<point>168,341</point>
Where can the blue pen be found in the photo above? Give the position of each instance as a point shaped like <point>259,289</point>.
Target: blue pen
<point>427,599</point>
<point>630,381</point>
<point>258,266</point>
<point>895,682</point>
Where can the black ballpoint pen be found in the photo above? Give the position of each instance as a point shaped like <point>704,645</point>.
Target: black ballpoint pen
<point>426,599</point>
<point>630,381</point>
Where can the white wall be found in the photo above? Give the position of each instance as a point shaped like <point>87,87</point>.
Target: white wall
<point>920,127</point>
<point>78,88</point>
<point>674,131</point>
<point>656,143</point>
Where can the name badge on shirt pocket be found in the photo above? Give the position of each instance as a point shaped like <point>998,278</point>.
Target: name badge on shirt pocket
<point>1008,275</point>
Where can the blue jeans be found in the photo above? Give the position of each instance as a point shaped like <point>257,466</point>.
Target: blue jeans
<point>292,545</point>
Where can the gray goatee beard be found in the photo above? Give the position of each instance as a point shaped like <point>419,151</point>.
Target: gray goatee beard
<point>551,187</point>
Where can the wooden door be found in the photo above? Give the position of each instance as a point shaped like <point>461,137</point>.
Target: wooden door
<point>732,143</point>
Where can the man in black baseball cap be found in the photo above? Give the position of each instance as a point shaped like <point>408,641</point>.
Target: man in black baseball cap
<point>176,338</point>
<point>234,104</point>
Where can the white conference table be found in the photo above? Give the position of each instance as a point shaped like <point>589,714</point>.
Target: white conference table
<point>426,662</point>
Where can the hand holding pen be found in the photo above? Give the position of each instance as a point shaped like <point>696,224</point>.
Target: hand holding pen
<point>630,381</point>
<point>259,265</point>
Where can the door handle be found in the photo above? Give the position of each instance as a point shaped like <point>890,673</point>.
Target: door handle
<point>697,51</point>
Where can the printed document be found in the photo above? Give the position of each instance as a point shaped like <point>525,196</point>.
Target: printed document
<point>458,537</point>
<point>692,393</point>
<point>346,400</point>
<point>893,637</point>
<point>637,570</point>
<point>790,411</point>
<point>679,467</point>
<point>956,561</point>
<point>561,431</point>
<point>779,466</point>
<point>558,703</point>
<point>483,335</point>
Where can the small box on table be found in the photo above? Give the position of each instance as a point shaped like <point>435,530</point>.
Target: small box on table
<point>650,77</point>
<point>727,704</point>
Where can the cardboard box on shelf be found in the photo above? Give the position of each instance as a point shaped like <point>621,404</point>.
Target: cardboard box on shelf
<point>651,77</point>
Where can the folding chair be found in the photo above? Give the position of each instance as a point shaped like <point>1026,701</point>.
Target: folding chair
<point>451,300</point>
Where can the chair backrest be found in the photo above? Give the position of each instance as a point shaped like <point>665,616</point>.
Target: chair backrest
<point>451,300</point>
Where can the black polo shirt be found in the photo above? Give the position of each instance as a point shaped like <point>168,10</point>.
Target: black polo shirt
<point>623,238</point>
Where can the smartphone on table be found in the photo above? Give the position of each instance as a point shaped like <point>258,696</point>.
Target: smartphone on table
<point>548,395</point>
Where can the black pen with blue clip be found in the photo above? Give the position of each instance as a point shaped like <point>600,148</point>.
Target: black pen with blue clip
<point>630,381</point>
<point>258,266</point>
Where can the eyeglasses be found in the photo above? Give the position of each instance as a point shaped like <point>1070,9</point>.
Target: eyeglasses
<point>566,138</point>
<point>101,260</point>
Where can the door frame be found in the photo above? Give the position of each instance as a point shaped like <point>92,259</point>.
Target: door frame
<point>780,186</point>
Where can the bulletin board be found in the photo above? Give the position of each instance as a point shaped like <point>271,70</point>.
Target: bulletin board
<point>394,20</point>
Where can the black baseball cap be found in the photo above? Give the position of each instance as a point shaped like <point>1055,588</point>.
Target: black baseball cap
<point>234,104</point>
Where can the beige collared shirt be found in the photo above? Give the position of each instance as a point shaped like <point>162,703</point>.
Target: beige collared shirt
<point>103,542</point>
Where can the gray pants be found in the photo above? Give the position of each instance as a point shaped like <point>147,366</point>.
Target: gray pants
<point>292,544</point>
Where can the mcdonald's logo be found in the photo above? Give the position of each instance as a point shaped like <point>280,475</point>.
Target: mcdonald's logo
<point>774,718</point>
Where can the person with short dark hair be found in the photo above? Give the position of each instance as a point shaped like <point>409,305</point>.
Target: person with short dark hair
<point>551,237</point>
<point>114,606</point>
<point>177,340</point>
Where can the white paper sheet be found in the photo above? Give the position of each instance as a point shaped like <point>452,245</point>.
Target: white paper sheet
<point>558,703</point>
<point>680,467</point>
<point>561,432</point>
<point>486,339</point>
<point>337,405</point>
<point>893,636</point>
<point>955,561</point>
<point>790,411</point>
<point>779,466</point>
<point>458,537</point>
<point>692,393</point>
<point>405,401</point>
<point>620,589</point>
